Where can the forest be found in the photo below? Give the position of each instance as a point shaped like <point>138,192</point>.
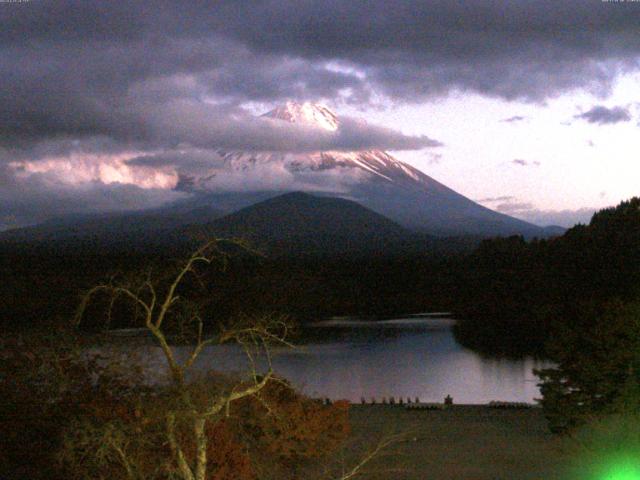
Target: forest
<point>509,294</point>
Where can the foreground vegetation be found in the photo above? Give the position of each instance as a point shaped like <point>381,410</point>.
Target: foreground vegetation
<point>87,415</point>
<point>69,415</point>
<point>574,299</point>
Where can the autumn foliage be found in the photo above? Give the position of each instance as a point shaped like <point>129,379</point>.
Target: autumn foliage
<point>272,435</point>
<point>73,416</point>
<point>102,420</point>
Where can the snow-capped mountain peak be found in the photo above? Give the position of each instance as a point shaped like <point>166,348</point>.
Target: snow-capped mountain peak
<point>363,165</point>
<point>307,113</point>
<point>372,177</point>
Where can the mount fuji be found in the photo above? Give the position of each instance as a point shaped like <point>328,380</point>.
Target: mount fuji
<point>372,178</point>
<point>373,196</point>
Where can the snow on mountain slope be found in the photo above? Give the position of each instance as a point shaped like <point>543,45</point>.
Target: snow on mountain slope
<point>373,178</point>
<point>311,114</point>
<point>378,164</point>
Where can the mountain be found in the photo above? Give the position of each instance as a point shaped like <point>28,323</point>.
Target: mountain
<point>553,231</point>
<point>309,114</point>
<point>298,222</point>
<point>373,178</point>
<point>138,226</point>
<point>294,224</point>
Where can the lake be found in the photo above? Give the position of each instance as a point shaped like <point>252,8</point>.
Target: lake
<point>405,357</point>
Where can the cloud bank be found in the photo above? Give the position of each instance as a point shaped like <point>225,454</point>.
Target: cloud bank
<point>124,80</point>
<point>74,66</point>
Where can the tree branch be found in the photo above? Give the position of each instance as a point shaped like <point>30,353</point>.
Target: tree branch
<point>183,466</point>
<point>375,452</point>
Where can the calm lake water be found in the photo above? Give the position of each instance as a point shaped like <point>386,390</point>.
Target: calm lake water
<point>408,357</point>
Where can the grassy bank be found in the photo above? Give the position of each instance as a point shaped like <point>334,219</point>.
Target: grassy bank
<point>463,442</point>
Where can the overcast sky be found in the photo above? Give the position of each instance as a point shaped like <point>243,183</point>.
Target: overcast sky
<point>528,107</point>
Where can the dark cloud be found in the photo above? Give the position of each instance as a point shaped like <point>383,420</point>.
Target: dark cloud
<point>514,119</point>
<point>86,67</point>
<point>152,76</point>
<point>64,146</point>
<point>602,115</point>
<point>136,120</point>
<point>72,66</point>
<point>204,126</point>
<point>512,49</point>
<point>189,159</point>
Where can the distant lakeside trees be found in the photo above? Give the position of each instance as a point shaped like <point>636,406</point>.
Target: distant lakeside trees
<point>513,294</point>
<point>574,299</point>
<point>44,283</point>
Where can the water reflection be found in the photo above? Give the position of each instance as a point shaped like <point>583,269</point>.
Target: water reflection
<point>400,358</point>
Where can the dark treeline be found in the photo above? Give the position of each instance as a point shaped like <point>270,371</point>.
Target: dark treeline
<point>516,295</point>
<point>508,293</point>
<point>44,283</point>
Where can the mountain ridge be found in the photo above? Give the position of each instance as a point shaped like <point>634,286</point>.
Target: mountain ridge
<point>301,223</point>
<point>373,178</point>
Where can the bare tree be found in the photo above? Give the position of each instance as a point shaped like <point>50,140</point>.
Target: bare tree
<point>193,409</point>
<point>161,306</point>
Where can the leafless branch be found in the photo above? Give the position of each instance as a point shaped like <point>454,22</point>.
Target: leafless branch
<point>378,450</point>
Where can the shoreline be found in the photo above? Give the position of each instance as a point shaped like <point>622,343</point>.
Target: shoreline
<point>440,407</point>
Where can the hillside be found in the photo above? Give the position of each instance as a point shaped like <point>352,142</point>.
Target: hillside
<point>302,223</point>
